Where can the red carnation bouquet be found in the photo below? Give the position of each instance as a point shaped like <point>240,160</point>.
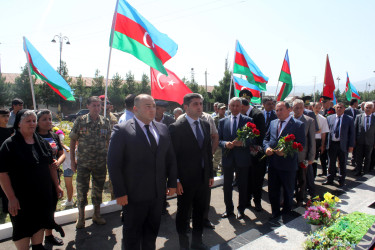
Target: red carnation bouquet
<point>288,146</point>
<point>248,131</point>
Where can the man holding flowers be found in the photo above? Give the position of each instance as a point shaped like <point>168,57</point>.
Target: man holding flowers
<point>283,161</point>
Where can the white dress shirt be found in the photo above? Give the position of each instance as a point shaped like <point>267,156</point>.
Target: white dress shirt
<point>334,128</point>
<point>153,130</point>
<point>232,120</point>
<point>283,125</point>
<point>194,126</point>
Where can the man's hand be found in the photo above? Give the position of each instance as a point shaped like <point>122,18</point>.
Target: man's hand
<point>237,143</point>
<point>229,145</point>
<point>279,152</point>
<point>13,206</point>
<point>310,162</point>
<point>211,182</point>
<point>73,165</point>
<point>123,200</point>
<point>322,149</point>
<point>170,191</point>
<point>60,192</point>
<point>269,151</point>
<point>350,149</point>
<point>54,164</point>
<point>180,190</point>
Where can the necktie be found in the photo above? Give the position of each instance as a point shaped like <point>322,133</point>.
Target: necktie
<point>337,129</point>
<point>234,129</point>
<point>280,126</point>
<point>367,122</point>
<point>151,137</point>
<point>268,116</point>
<point>198,134</point>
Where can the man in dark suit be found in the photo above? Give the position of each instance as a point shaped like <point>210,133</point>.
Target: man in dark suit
<point>269,111</point>
<point>281,170</point>
<point>192,144</point>
<point>340,143</point>
<point>364,126</point>
<point>140,161</point>
<point>305,173</point>
<point>161,107</point>
<point>235,157</point>
<point>352,110</point>
<point>257,169</point>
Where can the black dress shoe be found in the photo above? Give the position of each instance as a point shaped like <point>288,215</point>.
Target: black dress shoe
<point>327,183</point>
<point>258,207</point>
<point>341,184</point>
<point>50,239</point>
<point>208,224</point>
<point>227,215</point>
<point>198,246</point>
<point>240,215</point>
<point>358,174</point>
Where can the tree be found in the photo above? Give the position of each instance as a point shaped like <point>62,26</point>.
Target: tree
<point>115,94</point>
<point>129,87</point>
<point>22,88</point>
<point>97,88</point>
<point>144,87</point>
<point>5,91</point>
<point>64,72</point>
<point>220,93</point>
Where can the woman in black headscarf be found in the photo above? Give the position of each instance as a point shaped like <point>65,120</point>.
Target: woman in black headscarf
<point>29,182</point>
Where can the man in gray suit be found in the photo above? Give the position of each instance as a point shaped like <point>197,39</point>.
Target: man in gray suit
<point>364,126</point>
<point>141,161</point>
<point>305,175</point>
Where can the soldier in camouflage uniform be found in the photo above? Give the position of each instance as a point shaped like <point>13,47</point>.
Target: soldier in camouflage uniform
<point>221,108</point>
<point>92,132</point>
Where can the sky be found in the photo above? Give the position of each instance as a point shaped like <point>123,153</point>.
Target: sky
<point>205,31</point>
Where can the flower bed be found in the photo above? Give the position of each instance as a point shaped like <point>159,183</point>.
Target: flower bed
<point>345,233</point>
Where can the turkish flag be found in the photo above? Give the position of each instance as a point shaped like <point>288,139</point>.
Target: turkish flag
<point>168,88</point>
<point>329,84</point>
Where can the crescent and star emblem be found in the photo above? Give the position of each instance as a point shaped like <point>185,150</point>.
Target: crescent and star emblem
<point>170,82</point>
<point>145,40</point>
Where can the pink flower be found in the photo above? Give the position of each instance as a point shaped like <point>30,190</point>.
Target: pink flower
<point>314,215</point>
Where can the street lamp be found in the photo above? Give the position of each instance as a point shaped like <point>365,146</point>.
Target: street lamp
<point>61,40</point>
<point>338,83</point>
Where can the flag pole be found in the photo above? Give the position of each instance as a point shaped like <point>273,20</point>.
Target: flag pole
<point>277,86</point>
<point>231,80</point>
<point>109,58</point>
<point>31,79</point>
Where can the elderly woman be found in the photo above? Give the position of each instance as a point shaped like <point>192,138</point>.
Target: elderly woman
<point>44,127</point>
<point>29,181</point>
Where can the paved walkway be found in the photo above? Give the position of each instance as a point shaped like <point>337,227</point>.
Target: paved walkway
<point>228,234</point>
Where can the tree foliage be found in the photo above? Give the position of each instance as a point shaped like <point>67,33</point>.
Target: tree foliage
<point>220,93</point>
<point>5,91</point>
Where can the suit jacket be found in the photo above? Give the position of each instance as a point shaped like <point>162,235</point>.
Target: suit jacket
<point>348,111</point>
<point>260,122</point>
<point>239,156</point>
<point>361,136</point>
<point>273,116</point>
<point>134,169</point>
<point>347,131</point>
<point>312,115</point>
<point>189,155</point>
<point>167,120</point>
<point>295,127</point>
<point>308,152</point>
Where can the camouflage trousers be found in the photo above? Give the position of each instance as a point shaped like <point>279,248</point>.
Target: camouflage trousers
<point>217,160</point>
<point>98,174</point>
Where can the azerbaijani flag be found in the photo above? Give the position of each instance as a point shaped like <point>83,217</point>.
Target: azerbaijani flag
<point>41,69</point>
<point>245,66</point>
<point>240,84</point>
<point>286,78</point>
<point>133,34</point>
<point>351,91</point>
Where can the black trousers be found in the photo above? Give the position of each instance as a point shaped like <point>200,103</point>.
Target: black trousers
<point>242,173</point>
<point>194,197</point>
<point>318,144</point>
<point>335,152</point>
<point>278,179</point>
<point>141,224</point>
<point>257,170</point>
<point>301,184</point>
<point>363,157</point>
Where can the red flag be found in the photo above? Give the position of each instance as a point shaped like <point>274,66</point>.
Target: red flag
<point>329,84</point>
<point>168,88</point>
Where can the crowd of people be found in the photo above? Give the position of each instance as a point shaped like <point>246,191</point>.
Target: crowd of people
<point>151,155</point>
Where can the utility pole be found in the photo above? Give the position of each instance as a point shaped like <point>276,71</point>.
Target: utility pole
<point>338,83</point>
<point>314,86</point>
<point>192,75</point>
<point>205,77</point>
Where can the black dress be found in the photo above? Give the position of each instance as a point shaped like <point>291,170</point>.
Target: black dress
<point>28,169</point>
<point>5,133</point>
